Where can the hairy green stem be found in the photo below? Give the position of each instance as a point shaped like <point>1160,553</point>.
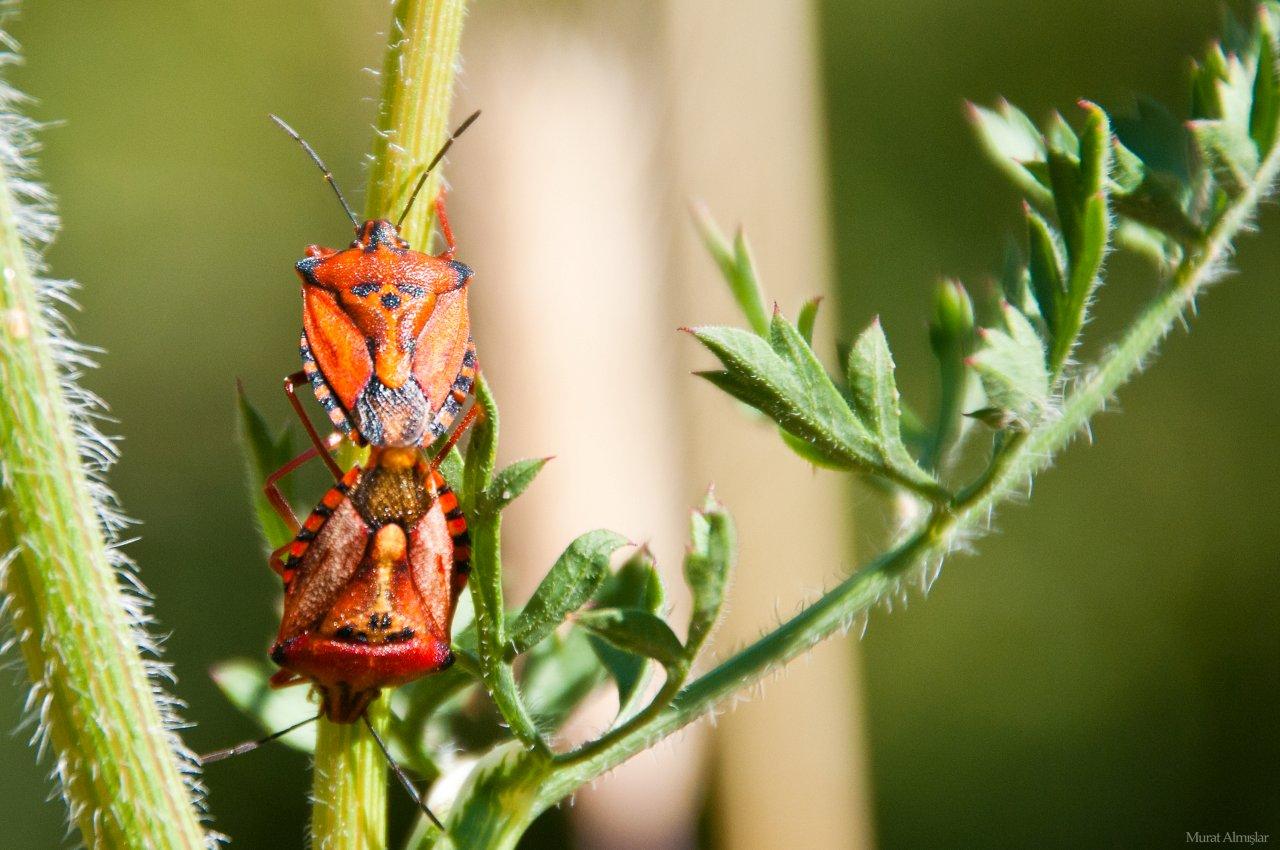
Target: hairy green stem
<point>413,119</point>
<point>349,811</point>
<point>76,627</point>
<point>350,785</point>
<point>486,582</point>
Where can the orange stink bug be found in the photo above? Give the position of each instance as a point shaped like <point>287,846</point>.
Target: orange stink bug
<point>371,581</point>
<point>386,339</point>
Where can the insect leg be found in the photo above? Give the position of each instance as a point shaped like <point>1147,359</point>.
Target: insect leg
<point>291,383</point>
<point>401,775</point>
<point>250,746</point>
<point>467,421</point>
<point>272,489</point>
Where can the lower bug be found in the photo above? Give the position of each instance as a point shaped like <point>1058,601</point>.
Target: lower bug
<point>371,581</point>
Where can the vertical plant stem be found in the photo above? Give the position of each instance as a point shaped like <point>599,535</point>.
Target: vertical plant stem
<point>78,630</point>
<point>413,119</point>
<point>350,780</point>
<point>350,785</point>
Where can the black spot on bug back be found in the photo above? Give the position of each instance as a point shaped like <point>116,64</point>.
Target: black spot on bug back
<point>363,289</point>
<point>390,300</point>
<point>464,272</point>
<point>307,266</point>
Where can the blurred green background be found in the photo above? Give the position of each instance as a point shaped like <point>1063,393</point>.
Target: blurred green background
<point>1107,673</point>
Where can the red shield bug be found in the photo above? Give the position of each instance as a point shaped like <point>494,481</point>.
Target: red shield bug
<point>371,581</point>
<point>386,341</point>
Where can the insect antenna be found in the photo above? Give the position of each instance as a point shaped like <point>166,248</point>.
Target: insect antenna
<point>435,160</point>
<point>250,746</point>
<point>315,157</point>
<point>399,771</point>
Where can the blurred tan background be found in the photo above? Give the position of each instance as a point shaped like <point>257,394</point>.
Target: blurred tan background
<point>1104,674</point>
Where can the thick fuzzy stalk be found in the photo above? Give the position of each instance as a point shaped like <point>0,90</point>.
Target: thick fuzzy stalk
<point>77,614</point>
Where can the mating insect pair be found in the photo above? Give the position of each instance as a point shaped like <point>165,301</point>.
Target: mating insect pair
<point>372,576</point>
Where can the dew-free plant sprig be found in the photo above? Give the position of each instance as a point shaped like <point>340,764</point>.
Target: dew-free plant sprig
<point>1014,394</point>
<point>77,610</point>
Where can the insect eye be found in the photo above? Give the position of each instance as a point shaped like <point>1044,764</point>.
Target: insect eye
<point>411,290</point>
<point>363,289</point>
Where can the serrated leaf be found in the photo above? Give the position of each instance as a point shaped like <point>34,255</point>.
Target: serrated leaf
<point>707,565</point>
<point>795,391</point>
<point>737,267</point>
<point>635,631</point>
<point>245,684</point>
<point>808,316</point>
<point>636,584</point>
<point>573,579</point>
<point>511,481</point>
<point>1228,148</point>
<point>875,401</point>
<point>263,455</point>
<point>1012,369</point>
<point>1012,141</point>
<point>741,388</point>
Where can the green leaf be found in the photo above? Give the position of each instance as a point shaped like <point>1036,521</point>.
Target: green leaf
<point>1127,168</point>
<point>1265,110</point>
<point>263,455</point>
<point>510,482</point>
<point>1060,138</point>
<point>1012,141</point>
<point>795,392</point>
<point>636,584</point>
<point>1076,183</point>
<point>741,388</point>
<point>1228,148</point>
<point>571,582</point>
<point>951,338</point>
<point>1044,270</point>
<point>452,470</point>
<point>875,401</point>
<point>1012,368</point>
<point>1080,195</point>
<point>635,631</point>
<point>808,316</point>
<point>482,448</point>
<point>737,267</point>
<point>245,683</point>
<point>707,565</point>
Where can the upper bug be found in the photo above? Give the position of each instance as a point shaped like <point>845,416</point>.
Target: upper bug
<point>386,339</point>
